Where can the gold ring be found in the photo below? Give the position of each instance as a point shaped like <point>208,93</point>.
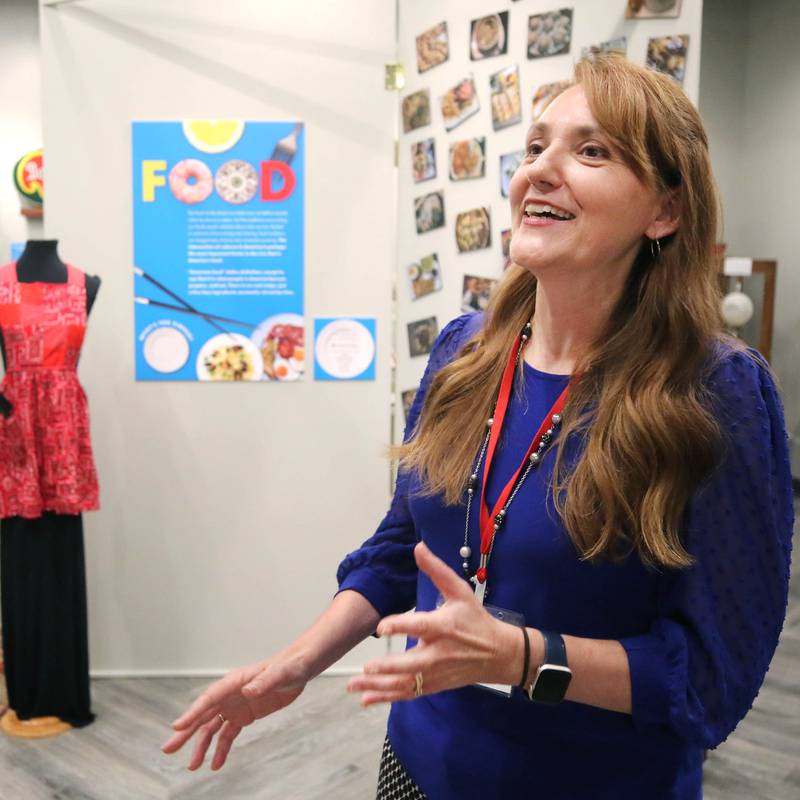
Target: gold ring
<point>222,718</point>
<point>418,685</point>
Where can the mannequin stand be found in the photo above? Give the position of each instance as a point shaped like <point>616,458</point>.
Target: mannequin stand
<point>37,728</point>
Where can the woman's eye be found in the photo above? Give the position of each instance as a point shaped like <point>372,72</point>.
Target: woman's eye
<point>593,151</point>
<point>535,149</point>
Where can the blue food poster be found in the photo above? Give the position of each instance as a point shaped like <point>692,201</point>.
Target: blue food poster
<point>218,250</point>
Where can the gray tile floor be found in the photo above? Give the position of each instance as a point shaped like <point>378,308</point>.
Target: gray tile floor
<point>326,746</point>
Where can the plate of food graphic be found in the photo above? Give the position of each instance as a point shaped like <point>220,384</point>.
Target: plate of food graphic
<point>280,340</point>
<point>229,357</point>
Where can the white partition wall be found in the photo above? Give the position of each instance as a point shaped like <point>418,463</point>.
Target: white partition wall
<point>225,508</point>
<point>22,124</point>
<point>593,22</point>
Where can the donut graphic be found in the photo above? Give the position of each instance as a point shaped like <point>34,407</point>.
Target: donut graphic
<point>236,181</point>
<point>179,181</point>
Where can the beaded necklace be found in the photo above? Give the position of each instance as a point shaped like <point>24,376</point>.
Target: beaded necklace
<point>491,523</point>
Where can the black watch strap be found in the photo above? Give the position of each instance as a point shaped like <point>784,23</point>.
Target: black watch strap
<point>554,675</point>
<point>555,651</point>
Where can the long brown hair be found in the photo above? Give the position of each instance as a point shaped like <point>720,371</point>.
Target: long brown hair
<point>641,404</point>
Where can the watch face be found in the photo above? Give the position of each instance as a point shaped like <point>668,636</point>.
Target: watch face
<point>551,684</point>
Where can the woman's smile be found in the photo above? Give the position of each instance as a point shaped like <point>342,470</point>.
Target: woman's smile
<point>540,222</point>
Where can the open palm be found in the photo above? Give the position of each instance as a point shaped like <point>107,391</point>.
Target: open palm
<point>231,703</point>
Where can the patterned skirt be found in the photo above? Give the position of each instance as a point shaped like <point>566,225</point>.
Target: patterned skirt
<point>394,783</point>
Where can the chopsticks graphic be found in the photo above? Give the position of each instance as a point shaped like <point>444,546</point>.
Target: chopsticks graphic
<point>190,308</point>
<point>146,301</point>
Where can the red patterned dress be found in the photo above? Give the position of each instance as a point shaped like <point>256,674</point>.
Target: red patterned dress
<point>46,459</point>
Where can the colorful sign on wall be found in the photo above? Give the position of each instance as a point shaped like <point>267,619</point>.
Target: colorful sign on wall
<point>29,182</point>
<point>218,250</point>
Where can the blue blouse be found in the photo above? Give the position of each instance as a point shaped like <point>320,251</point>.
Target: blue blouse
<point>698,641</point>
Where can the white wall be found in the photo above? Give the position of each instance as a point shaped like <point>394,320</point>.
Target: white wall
<point>176,580</point>
<point>750,100</point>
<point>20,113</point>
<point>225,509</point>
<point>594,21</point>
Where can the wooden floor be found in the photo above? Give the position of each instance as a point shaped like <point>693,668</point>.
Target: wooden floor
<point>325,746</point>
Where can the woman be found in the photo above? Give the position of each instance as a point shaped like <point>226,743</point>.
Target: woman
<point>643,533</point>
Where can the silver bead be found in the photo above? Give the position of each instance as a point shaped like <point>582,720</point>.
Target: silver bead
<point>490,422</point>
<point>465,552</point>
<point>535,458</point>
<point>556,419</point>
<point>470,492</point>
<point>549,431</point>
<point>465,566</point>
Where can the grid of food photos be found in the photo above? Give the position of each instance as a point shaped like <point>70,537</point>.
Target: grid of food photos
<point>432,117</point>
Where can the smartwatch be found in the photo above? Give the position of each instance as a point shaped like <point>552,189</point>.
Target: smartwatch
<point>553,676</point>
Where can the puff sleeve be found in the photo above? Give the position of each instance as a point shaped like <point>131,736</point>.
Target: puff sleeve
<point>383,569</point>
<point>699,668</point>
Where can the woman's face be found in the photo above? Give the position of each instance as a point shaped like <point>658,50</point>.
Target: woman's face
<point>575,204</point>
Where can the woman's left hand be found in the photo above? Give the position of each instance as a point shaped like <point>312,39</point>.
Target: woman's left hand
<point>459,644</point>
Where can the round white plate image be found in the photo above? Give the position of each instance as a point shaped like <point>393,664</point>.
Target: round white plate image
<point>229,357</point>
<point>344,348</point>
<point>165,349</point>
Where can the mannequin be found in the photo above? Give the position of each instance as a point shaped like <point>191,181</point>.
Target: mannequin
<point>43,574</point>
<point>40,263</point>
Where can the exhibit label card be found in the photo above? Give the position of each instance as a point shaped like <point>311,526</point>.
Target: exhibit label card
<point>344,349</point>
<point>218,250</point>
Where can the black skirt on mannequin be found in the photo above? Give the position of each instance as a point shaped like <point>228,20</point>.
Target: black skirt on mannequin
<point>45,639</point>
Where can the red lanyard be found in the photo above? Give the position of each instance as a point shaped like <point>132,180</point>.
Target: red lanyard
<point>487,520</point>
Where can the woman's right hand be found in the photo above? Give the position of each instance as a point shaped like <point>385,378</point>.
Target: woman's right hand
<point>236,700</point>
<point>253,692</point>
